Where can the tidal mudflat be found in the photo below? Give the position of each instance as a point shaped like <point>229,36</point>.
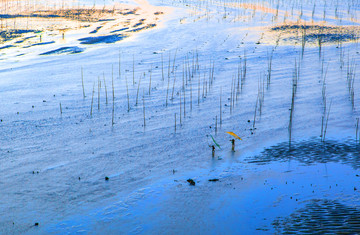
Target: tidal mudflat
<point>179,117</point>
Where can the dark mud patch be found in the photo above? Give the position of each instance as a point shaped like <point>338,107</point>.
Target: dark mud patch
<point>324,38</point>
<point>141,22</point>
<point>88,15</point>
<point>96,30</point>
<point>137,24</point>
<point>40,44</point>
<point>321,217</point>
<point>119,30</point>
<point>130,12</point>
<point>64,50</point>
<point>312,34</point>
<point>20,41</point>
<point>106,20</point>
<point>85,15</point>
<point>5,47</point>
<point>297,27</point>
<point>310,152</point>
<point>102,39</point>
<point>24,39</point>
<point>141,28</point>
<point>7,35</point>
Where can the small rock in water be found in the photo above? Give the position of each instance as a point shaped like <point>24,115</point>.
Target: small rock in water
<point>191,182</point>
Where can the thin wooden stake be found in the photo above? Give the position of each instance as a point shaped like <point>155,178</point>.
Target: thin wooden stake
<point>150,80</point>
<point>357,128</point>
<point>144,111</point>
<point>106,97</point>
<point>199,90</point>
<point>99,93</point>
<point>327,119</point>
<point>169,64</point>
<point>133,70</point>
<point>127,93</point>
<point>119,64</point>
<point>82,82</point>
<point>172,93</point>
<point>184,103</point>
<point>167,91</point>
<point>137,93</point>
<point>220,106</point>
<point>162,66</point>
<point>190,95</point>
<point>180,108</point>
<point>113,95</point>
<point>92,100</point>
<point>216,124</point>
